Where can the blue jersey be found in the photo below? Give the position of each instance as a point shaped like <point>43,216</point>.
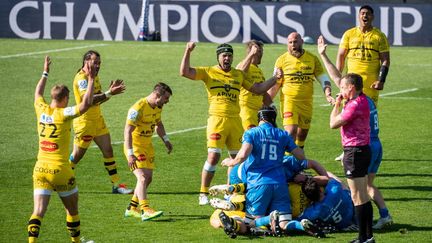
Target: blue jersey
<point>373,121</point>
<point>293,166</point>
<point>264,164</point>
<point>336,208</point>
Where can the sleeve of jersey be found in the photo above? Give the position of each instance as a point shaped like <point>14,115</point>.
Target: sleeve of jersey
<point>133,116</point>
<point>201,73</point>
<point>71,112</point>
<point>247,137</point>
<point>344,41</point>
<point>384,45</point>
<point>247,83</point>
<point>349,111</point>
<point>81,84</point>
<point>39,103</point>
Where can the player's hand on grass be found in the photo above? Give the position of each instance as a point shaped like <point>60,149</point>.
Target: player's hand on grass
<point>117,87</point>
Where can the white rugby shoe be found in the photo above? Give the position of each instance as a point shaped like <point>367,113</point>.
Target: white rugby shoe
<point>203,199</point>
<point>219,189</point>
<point>382,222</point>
<point>222,204</point>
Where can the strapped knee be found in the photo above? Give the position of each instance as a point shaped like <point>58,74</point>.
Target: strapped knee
<point>208,167</point>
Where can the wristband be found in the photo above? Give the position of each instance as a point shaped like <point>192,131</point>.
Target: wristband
<point>165,138</point>
<point>383,73</point>
<point>130,152</point>
<point>45,74</point>
<point>108,94</point>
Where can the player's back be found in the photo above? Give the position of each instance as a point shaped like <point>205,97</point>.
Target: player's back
<point>339,203</point>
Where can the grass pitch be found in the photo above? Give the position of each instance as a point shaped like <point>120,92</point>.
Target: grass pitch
<point>405,110</point>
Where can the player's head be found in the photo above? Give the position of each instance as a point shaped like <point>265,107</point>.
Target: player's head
<point>163,93</point>
<point>267,114</point>
<point>94,56</point>
<point>224,54</point>
<point>60,93</point>
<point>295,44</point>
<point>259,44</point>
<point>311,190</point>
<point>351,84</point>
<point>366,16</point>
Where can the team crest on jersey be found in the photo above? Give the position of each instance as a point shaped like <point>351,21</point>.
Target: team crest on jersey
<point>132,115</point>
<point>46,119</point>
<point>227,87</point>
<point>82,84</point>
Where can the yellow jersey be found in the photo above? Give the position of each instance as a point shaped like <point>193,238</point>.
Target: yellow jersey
<point>299,74</point>
<point>223,89</point>
<point>54,129</point>
<point>247,98</point>
<point>144,118</point>
<point>363,51</point>
<point>80,84</point>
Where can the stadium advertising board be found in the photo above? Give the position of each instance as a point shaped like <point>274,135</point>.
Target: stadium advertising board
<point>404,24</point>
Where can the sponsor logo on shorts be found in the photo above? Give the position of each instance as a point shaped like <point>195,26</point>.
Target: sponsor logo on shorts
<point>48,146</point>
<point>46,170</point>
<point>215,136</point>
<point>141,157</point>
<point>87,138</point>
<point>287,114</point>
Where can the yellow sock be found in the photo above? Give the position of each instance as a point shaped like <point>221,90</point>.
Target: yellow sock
<point>239,206</point>
<point>144,204</point>
<point>133,203</point>
<point>111,167</point>
<point>33,228</point>
<point>204,189</point>
<point>239,188</point>
<point>73,226</point>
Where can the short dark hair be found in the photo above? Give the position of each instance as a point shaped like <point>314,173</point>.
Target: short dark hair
<point>59,92</point>
<point>268,114</point>
<point>224,48</point>
<point>161,88</point>
<point>366,7</point>
<point>311,189</point>
<point>88,55</point>
<point>354,79</point>
<point>253,42</point>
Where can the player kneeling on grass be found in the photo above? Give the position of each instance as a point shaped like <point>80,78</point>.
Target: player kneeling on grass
<point>52,171</point>
<point>144,117</point>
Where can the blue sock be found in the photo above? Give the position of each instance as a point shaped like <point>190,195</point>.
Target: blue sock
<point>263,221</point>
<point>294,225</point>
<point>383,212</point>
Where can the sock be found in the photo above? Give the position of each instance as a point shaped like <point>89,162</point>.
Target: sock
<point>239,206</point>
<point>144,204</point>
<point>204,189</point>
<point>238,188</point>
<point>263,221</point>
<point>294,225</point>
<point>133,203</point>
<point>383,212</point>
<point>33,228</point>
<point>300,143</point>
<point>72,162</point>
<point>369,219</point>
<point>111,167</point>
<point>236,225</point>
<point>73,226</point>
<point>361,216</point>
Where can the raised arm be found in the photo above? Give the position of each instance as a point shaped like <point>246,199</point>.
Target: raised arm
<point>245,63</point>
<point>334,73</point>
<point>87,100</point>
<point>40,87</point>
<point>185,69</point>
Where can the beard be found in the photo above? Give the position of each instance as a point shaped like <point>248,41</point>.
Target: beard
<point>296,53</point>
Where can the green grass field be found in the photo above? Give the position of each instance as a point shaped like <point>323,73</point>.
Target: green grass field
<point>405,176</point>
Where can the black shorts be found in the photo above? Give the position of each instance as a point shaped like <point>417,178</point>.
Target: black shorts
<point>356,161</point>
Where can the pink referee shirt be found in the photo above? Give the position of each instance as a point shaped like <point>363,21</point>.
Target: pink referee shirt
<point>357,131</point>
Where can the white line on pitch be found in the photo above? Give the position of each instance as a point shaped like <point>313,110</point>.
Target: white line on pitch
<point>169,133</point>
<point>399,92</point>
<point>50,51</point>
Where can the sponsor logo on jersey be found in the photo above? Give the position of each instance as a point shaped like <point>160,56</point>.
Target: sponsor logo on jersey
<point>48,146</point>
<point>82,85</point>
<point>215,136</point>
<point>46,118</point>
<point>141,157</point>
<point>69,111</point>
<point>87,138</point>
<point>132,114</point>
<point>287,114</point>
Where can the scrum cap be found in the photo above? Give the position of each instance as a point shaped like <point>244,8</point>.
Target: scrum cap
<point>267,114</point>
<point>222,48</point>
